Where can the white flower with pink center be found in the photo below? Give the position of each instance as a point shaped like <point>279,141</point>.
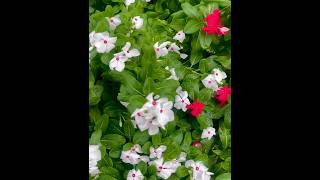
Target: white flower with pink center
<point>180,36</point>
<point>174,48</point>
<point>102,42</point>
<point>135,175</point>
<point>130,53</point>
<point>132,157</point>
<point>181,100</point>
<point>118,62</point>
<point>161,50</point>
<point>210,82</point>
<point>165,169</point>
<point>157,153</point>
<point>199,170</point>
<point>219,75</point>
<point>137,22</point>
<point>114,22</point>
<point>208,133</point>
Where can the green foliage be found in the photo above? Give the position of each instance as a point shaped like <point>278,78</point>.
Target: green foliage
<point>110,122</point>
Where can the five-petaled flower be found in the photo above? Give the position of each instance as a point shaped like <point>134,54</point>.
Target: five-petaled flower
<point>180,36</point>
<point>223,94</point>
<point>219,75</point>
<point>199,170</point>
<point>157,153</point>
<point>135,175</point>
<point>214,24</point>
<point>114,22</point>
<point>165,169</point>
<point>181,100</point>
<point>208,133</point>
<point>161,50</point>
<point>128,2</point>
<point>137,22</point>
<point>196,108</point>
<point>210,82</point>
<point>102,41</point>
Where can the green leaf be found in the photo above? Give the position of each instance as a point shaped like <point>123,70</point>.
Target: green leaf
<point>224,176</point>
<point>172,152</point>
<point>187,140</point>
<point>95,94</point>
<point>127,146</point>
<point>135,102</point>
<point>102,122</point>
<point>205,95</point>
<point>192,87</point>
<point>110,171</point>
<point>192,26</point>
<point>176,137</point>
<point>143,167</point>
<point>106,177</point>
<point>146,147</point>
<point>156,139</point>
<point>167,88</point>
<point>182,171</point>
<point>113,141</point>
<point>227,116</point>
<point>190,10</point>
<point>141,137</point>
<point>193,152</point>
<point>128,129</point>
<point>225,61</point>
<point>204,121</point>
<point>205,39</point>
<point>148,85</point>
<point>152,170</point>
<point>95,137</point>
<point>225,137</point>
<point>114,153</point>
<point>207,65</point>
<point>153,177</point>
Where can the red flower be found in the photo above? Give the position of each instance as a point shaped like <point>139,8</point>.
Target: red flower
<point>214,24</point>
<point>223,94</point>
<point>196,108</point>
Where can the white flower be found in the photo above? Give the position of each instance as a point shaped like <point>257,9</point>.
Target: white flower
<point>199,171</point>
<point>182,157</point>
<point>148,0</point>
<point>164,170</point>
<point>210,82</point>
<point>135,175</point>
<point>181,100</point>
<point>173,47</point>
<point>125,104</point>
<point>161,50</point>
<point>180,36</point>
<point>132,157</point>
<point>154,114</point>
<point>173,73</point>
<point>208,133</point>
<point>114,22</point>
<point>219,75</point>
<point>94,157</point>
<point>157,152</point>
<point>118,61</point>
<point>102,41</point>
<point>128,2</point>
<point>137,22</point>
<point>130,53</point>
<point>136,148</point>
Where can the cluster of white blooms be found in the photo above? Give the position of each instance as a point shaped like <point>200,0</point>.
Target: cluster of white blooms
<point>181,99</point>
<point>163,50</point>
<point>119,59</point>
<point>94,157</point>
<point>154,114</point>
<point>213,80</point>
<point>132,157</point>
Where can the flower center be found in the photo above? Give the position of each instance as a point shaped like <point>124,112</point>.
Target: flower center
<point>135,19</point>
<point>158,49</point>
<point>111,20</point>
<point>171,49</point>
<point>138,114</point>
<point>179,34</point>
<point>105,41</point>
<point>160,167</point>
<point>127,157</point>
<point>117,58</point>
<point>182,101</point>
<point>216,74</point>
<point>133,175</point>
<point>208,132</point>
<point>154,103</point>
<point>197,168</point>
<point>209,82</point>
<point>161,110</point>
<point>127,51</point>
